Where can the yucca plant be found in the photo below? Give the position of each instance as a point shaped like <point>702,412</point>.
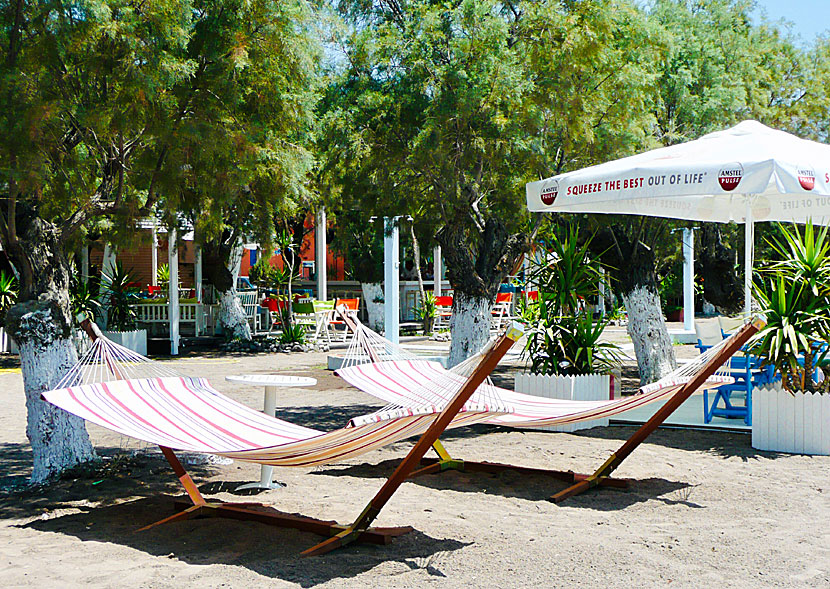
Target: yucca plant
<point>426,312</point>
<point>8,294</point>
<point>121,315</point>
<point>794,295</point>
<point>564,338</point>
<point>84,300</point>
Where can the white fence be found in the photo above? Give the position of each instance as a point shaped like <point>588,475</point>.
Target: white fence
<point>797,424</point>
<point>197,314</point>
<point>588,387</point>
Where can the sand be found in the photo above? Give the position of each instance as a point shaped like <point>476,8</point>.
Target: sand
<point>705,509</point>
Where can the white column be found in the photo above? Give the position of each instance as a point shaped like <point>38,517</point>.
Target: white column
<point>197,270</point>
<point>749,246</point>
<point>154,256</point>
<point>391,282</point>
<point>85,263</point>
<point>437,270</point>
<point>108,261</point>
<point>173,291</point>
<point>320,254</point>
<point>688,280</point>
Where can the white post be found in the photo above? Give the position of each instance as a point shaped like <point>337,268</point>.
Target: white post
<point>108,262</point>
<point>601,297</point>
<point>437,270</point>
<point>320,253</point>
<point>85,263</point>
<point>391,283</point>
<point>197,270</point>
<point>748,251</point>
<point>154,256</point>
<point>688,280</point>
<point>173,291</point>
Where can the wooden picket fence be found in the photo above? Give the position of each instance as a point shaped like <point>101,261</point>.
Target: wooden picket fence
<point>588,387</point>
<point>796,424</point>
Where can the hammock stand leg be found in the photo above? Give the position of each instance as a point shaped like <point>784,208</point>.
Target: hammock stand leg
<point>199,507</point>
<point>409,463</point>
<point>446,462</point>
<point>708,369</point>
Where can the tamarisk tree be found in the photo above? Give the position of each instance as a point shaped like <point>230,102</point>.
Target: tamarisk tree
<point>112,110</point>
<point>448,109</point>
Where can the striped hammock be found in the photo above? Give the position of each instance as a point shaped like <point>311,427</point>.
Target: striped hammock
<point>186,413</point>
<point>401,378</point>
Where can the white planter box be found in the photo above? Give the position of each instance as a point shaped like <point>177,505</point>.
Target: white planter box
<point>796,424</point>
<point>132,340</point>
<point>588,387</point>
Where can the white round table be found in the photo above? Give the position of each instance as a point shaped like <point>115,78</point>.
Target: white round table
<point>271,382</point>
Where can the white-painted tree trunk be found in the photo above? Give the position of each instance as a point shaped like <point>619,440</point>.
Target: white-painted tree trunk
<point>231,314</point>
<point>373,297</point>
<point>469,326</point>
<point>647,328</point>
<point>59,439</point>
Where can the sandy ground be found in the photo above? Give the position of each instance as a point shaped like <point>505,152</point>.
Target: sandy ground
<point>705,509</point>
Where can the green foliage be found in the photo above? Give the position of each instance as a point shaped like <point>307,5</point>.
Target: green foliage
<point>360,241</point>
<point>292,333</point>
<point>84,298</point>
<point>572,346</point>
<point>163,279</point>
<point>426,312</point>
<point>570,276</point>
<point>449,108</point>
<point>564,338</point>
<point>8,294</point>
<point>529,311</point>
<point>262,273</point>
<point>794,295</point>
<point>120,298</point>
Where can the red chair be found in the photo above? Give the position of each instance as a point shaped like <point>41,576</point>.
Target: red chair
<point>501,314</point>
<point>443,312</point>
<point>153,291</point>
<point>352,307</point>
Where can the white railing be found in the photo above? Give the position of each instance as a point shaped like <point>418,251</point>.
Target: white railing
<point>159,314</point>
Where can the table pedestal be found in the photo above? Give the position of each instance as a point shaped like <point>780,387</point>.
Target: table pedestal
<point>266,473</point>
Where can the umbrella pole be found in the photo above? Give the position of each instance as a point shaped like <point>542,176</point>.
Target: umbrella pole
<point>749,246</point>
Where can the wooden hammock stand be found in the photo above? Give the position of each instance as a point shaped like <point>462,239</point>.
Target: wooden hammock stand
<point>602,476</point>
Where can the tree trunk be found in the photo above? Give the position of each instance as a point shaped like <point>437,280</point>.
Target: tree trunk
<point>632,266</point>
<point>721,284</point>
<point>647,328</point>
<point>373,297</point>
<point>477,262</point>
<point>41,326</point>
<point>232,316</point>
<point>469,325</point>
<point>220,268</point>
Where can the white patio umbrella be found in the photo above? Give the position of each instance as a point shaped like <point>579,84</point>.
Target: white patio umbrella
<point>744,174</point>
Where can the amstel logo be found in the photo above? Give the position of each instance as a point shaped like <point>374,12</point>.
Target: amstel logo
<point>806,177</point>
<point>549,193</point>
<point>730,176</point>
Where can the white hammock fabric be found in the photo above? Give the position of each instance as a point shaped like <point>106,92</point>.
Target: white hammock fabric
<point>185,413</point>
<point>402,379</point>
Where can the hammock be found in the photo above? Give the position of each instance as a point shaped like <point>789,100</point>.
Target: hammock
<point>130,394</point>
<point>186,413</point>
<point>401,378</point>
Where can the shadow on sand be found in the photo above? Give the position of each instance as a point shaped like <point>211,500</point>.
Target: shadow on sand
<point>109,502</point>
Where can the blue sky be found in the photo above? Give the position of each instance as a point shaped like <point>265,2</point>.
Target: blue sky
<point>809,17</point>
